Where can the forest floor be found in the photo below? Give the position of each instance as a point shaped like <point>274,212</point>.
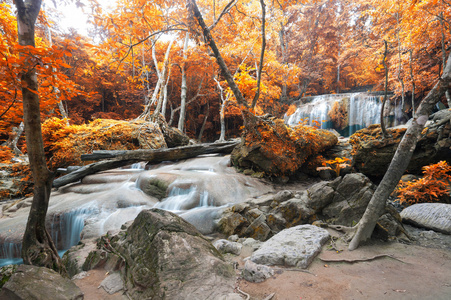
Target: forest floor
<point>379,270</point>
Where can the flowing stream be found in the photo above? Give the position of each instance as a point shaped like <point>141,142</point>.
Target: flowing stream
<point>197,189</point>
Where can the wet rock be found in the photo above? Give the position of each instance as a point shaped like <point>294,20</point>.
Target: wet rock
<point>435,216</point>
<point>296,246</point>
<point>258,229</point>
<point>225,246</point>
<point>256,273</point>
<point>31,282</point>
<point>155,247</point>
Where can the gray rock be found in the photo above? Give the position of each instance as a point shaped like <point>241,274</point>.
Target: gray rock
<point>320,195</point>
<point>256,273</point>
<point>296,246</point>
<point>258,229</point>
<point>252,243</point>
<point>112,283</point>
<point>225,246</point>
<point>296,211</point>
<point>167,258</point>
<point>31,282</point>
<point>435,216</point>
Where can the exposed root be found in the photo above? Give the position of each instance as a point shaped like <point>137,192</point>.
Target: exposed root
<point>351,261</point>
<point>245,294</point>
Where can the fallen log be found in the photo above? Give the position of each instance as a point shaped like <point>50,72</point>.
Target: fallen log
<point>120,158</point>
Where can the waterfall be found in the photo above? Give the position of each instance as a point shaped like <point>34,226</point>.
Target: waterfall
<point>65,229</point>
<point>362,110</point>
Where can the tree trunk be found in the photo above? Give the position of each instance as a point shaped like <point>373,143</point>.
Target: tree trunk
<point>442,25</point>
<point>201,132</point>
<point>37,246</point>
<point>400,160</point>
<point>184,87</point>
<point>192,6</point>
<point>384,131</point>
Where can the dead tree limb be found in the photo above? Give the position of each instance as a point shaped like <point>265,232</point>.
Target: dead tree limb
<point>116,159</point>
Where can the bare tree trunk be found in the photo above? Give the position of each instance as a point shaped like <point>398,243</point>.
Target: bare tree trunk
<point>192,6</point>
<point>201,132</point>
<point>37,245</point>
<point>384,131</point>
<point>447,94</point>
<point>283,51</point>
<point>413,83</point>
<point>400,160</point>
<point>401,81</point>
<point>13,139</point>
<point>222,111</point>
<point>184,88</point>
<point>55,89</point>
<point>161,77</point>
<point>262,54</point>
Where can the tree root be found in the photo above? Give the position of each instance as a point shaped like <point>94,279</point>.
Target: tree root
<point>351,261</point>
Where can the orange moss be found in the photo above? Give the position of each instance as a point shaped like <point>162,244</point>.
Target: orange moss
<point>64,144</point>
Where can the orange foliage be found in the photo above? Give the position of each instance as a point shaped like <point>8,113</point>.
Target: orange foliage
<point>291,110</point>
<point>5,154</point>
<point>337,164</point>
<point>432,187</point>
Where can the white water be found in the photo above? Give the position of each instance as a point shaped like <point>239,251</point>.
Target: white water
<point>198,189</point>
<point>363,110</point>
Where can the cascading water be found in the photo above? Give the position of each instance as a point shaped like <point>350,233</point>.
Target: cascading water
<point>361,109</point>
<point>64,229</point>
<point>197,189</point>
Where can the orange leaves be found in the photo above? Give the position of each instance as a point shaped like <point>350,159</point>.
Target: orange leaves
<point>5,154</point>
<point>337,164</point>
<point>432,187</point>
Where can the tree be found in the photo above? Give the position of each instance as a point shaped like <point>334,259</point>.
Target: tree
<point>37,246</point>
<point>400,160</point>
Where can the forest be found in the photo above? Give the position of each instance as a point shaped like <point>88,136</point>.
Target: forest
<point>161,80</point>
<point>147,55</point>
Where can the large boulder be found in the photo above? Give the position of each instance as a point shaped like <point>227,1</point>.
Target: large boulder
<point>31,282</point>
<point>269,146</point>
<point>165,257</point>
<point>373,153</point>
<point>295,246</point>
<point>435,216</point>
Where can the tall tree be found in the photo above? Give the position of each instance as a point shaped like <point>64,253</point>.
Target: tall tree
<point>37,246</point>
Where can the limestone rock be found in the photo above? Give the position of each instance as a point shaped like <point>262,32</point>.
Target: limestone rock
<point>256,273</point>
<point>373,154</point>
<point>269,146</point>
<point>167,258</point>
<point>435,216</point>
<point>350,200</point>
<point>225,246</point>
<point>31,282</point>
<point>296,246</point>
<point>112,283</point>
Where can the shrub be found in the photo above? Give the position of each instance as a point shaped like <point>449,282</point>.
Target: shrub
<point>432,187</point>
